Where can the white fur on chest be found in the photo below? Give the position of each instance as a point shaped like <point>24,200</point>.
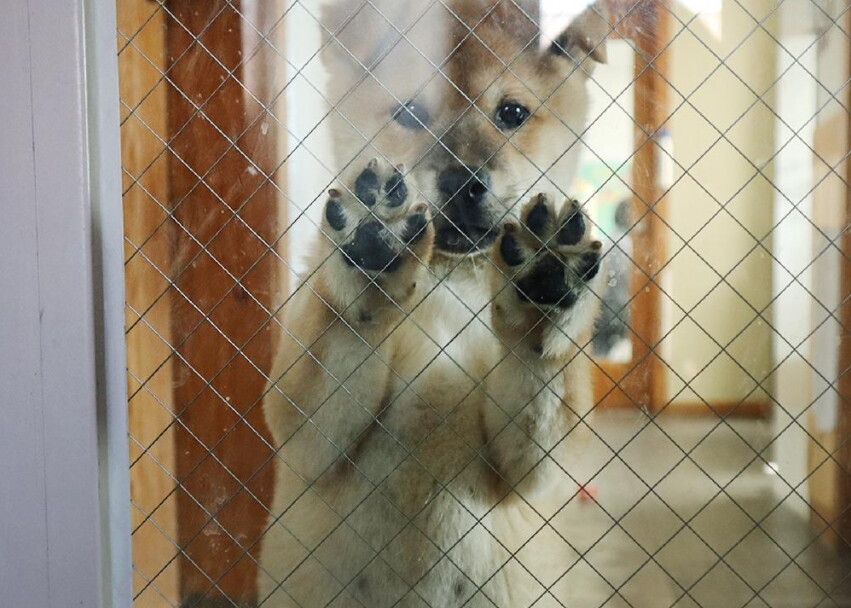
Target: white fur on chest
<point>456,312</point>
<point>448,346</point>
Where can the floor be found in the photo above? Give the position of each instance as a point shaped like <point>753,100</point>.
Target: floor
<point>685,516</point>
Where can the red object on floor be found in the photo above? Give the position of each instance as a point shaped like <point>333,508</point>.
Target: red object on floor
<point>588,492</point>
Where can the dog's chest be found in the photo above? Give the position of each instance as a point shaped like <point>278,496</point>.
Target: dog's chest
<point>434,411</point>
<point>456,314</point>
<point>448,347</point>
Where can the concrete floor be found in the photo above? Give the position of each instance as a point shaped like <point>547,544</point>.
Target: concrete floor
<point>684,543</point>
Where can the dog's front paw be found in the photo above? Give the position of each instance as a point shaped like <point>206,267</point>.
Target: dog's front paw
<point>549,267</point>
<point>551,257</point>
<point>373,223</point>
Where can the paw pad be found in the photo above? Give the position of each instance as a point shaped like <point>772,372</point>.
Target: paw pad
<point>397,189</point>
<point>415,227</point>
<point>573,228</point>
<point>368,250</point>
<point>545,284</point>
<point>589,266</point>
<point>553,257</point>
<point>509,247</point>
<point>370,188</point>
<point>370,223</point>
<point>536,219</point>
<point>367,186</point>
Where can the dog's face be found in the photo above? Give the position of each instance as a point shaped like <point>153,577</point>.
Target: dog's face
<point>466,97</point>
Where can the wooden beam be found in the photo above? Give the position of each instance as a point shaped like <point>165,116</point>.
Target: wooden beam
<point>646,381</point>
<point>225,207</point>
<point>640,383</point>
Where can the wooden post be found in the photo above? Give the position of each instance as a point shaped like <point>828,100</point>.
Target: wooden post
<point>640,381</point>
<point>225,209</point>
<point>646,381</point>
<point>829,484</point>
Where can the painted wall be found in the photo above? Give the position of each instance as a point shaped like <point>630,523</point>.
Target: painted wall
<point>793,252</point>
<point>55,534</point>
<point>309,166</point>
<point>718,281</point>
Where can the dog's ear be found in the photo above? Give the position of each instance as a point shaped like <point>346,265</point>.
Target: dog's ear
<point>347,29</point>
<point>362,30</point>
<point>585,37</point>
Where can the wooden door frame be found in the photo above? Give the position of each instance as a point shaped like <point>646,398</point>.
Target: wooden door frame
<point>217,180</point>
<point>222,165</point>
<point>640,383</point>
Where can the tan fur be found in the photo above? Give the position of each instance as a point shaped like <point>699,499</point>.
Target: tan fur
<point>412,408</point>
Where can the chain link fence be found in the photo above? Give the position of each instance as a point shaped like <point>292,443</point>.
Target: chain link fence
<point>694,435</point>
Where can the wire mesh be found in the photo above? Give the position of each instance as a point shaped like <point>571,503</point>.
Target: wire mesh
<point>688,449</point>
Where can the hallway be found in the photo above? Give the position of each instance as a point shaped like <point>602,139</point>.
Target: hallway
<point>685,543</point>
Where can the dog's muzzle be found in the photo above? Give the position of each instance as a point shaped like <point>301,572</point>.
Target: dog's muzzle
<point>464,224</point>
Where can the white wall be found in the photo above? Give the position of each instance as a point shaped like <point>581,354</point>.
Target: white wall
<point>64,509</point>
<point>310,165</point>
<point>719,209</point>
<point>793,252</point>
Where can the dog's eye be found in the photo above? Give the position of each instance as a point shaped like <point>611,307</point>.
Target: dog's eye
<point>510,115</point>
<point>412,115</point>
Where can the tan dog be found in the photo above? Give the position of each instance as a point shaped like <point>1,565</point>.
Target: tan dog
<point>432,357</point>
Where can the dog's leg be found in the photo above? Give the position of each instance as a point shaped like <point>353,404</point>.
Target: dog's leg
<point>545,303</point>
<point>331,377</point>
<point>332,369</point>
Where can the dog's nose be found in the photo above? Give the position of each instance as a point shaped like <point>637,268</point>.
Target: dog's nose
<point>462,184</point>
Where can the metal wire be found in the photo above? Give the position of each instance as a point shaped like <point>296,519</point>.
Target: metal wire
<point>171,278</point>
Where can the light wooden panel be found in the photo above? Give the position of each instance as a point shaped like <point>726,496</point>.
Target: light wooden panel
<point>830,485</point>
<point>148,312</point>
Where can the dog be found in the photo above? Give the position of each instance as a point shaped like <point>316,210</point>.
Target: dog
<point>432,356</point>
